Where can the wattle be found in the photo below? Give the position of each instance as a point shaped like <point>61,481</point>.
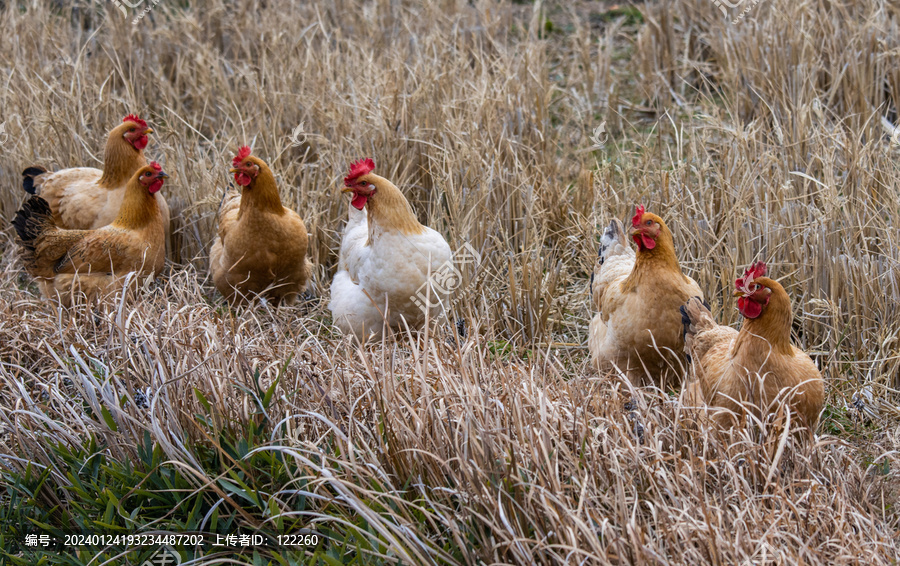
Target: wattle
<point>155,186</point>
<point>140,143</point>
<point>748,308</point>
<point>242,179</point>
<point>359,201</point>
<point>644,242</point>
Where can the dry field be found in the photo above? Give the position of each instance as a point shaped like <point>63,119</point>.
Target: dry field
<point>768,138</point>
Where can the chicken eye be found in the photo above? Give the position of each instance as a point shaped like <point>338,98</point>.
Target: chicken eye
<point>647,223</point>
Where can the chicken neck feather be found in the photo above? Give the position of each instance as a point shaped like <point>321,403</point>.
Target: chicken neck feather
<point>120,160</point>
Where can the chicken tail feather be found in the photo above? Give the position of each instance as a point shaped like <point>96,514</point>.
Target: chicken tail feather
<point>612,243</point>
<point>32,220</point>
<point>28,176</point>
<point>231,197</point>
<point>614,234</point>
<point>696,317</point>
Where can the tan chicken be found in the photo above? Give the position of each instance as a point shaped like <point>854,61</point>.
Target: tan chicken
<point>385,261</point>
<point>633,292</point>
<point>67,263</point>
<point>751,369</point>
<point>261,245</point>
<point>85,198</point>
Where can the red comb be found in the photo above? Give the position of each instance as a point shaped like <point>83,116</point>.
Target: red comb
<point>758,269</point>
<point>134,118</point>
<point>638,214</point>
<point>358,169</point>
<point>155,166</point>
<point>243,153</point>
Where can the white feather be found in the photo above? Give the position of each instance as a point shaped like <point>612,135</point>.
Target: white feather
<point>383,278</point>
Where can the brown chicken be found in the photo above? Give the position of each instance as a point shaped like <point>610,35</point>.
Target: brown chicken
<point>261,245</point>
<point>85,198</point>
<point>634,328</point>
<point>67,263</point>
<point>752,369</point>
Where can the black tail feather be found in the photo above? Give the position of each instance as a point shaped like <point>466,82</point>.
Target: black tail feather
<point>686,321</point>
<point>591,286</point>
<point>28,176</point>
<point>31,220</point>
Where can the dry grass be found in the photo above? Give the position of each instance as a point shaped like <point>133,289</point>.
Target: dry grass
<point>761,139</point>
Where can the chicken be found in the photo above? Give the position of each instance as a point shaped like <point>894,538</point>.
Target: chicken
<point>385,260</point>
<point>755,366</point>
<point>261,246</point>
<point>84,198</point>
<point>94,262</point>
<point>633,292</point>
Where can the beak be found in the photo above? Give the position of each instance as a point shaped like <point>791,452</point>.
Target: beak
<point>162,175</point>
<point>738,293</point>
<point>232,170</point>
<point>148,131</point>
<point>632,231</point>
<point>347,190</point>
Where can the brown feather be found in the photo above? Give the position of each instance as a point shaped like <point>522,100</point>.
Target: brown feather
<point>135,241</point>
<point>261,246</point>
<point>389,209</point>
<point>120,159</point>
<point>85,198</point>
<point>750,369</point>
<point>639,327</point>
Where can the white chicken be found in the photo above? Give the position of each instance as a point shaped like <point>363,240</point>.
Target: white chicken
<point>385,261</point>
